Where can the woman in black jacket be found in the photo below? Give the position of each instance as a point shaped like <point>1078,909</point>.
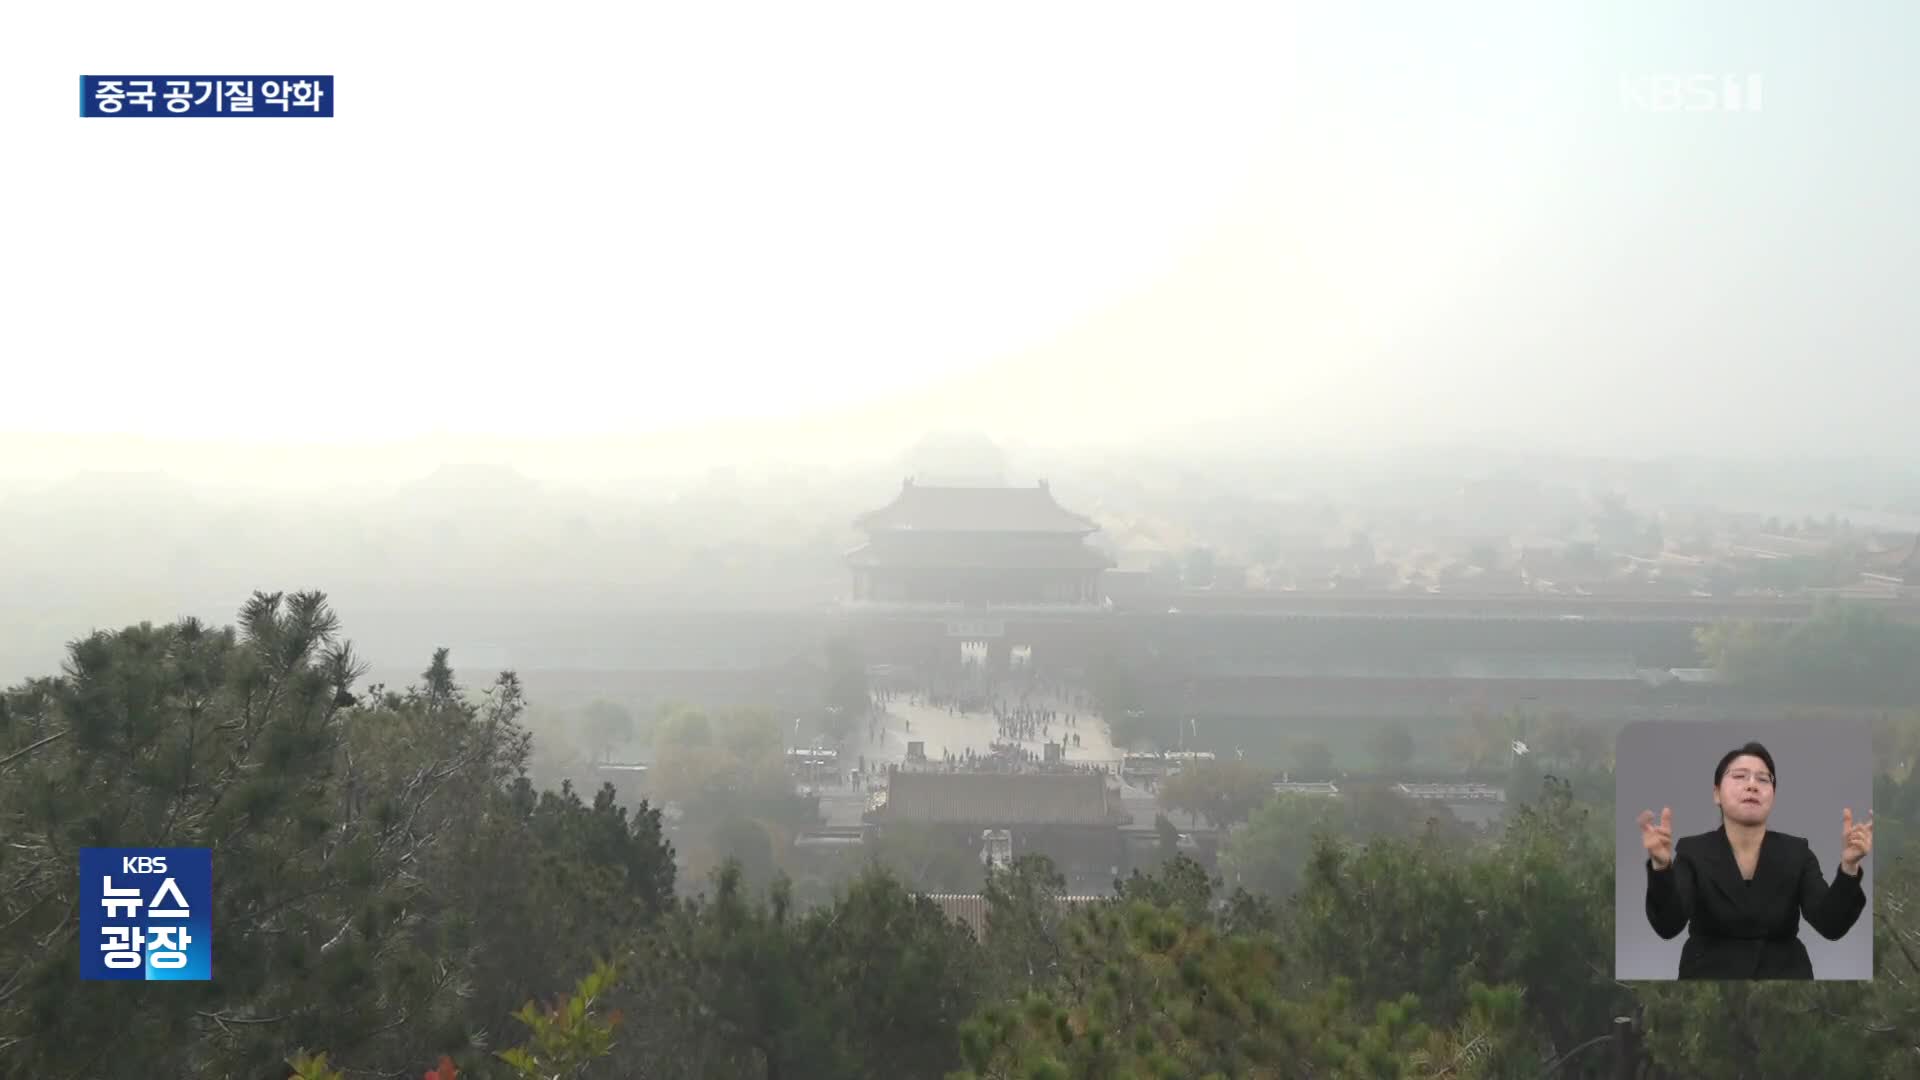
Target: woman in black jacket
<point>1744,888</point>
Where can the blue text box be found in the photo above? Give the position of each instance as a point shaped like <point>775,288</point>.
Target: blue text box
<point>146,914</point>
<point>205,95</point>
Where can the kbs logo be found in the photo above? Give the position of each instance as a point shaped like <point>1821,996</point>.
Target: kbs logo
<point>146,913</point>
<point>1690,93</point>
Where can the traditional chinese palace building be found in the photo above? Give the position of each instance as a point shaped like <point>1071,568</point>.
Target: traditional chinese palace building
<point>1074,818</point>
<point>976,547</point>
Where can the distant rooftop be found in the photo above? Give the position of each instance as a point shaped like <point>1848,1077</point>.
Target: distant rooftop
<point>1001,799</point>
<point>1452,792</point>
<point>1029,557</point>
<point>1304,787</point>
<point>921,508</point>
<point>970,909</point>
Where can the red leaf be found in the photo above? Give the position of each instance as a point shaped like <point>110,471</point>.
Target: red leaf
<point>444,1071</point>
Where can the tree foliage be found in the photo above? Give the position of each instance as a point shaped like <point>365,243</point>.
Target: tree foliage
<point>872,985</point>
<point>1270,854</point>
<point>606,726</point>
<point>927,860</point>
<point>1313,758</point>
<point>1151,984</point>
<point>718,766</point>
<point>1392,748</point>
<point>1845,654</point>
<point>1430,918</point>
<point>392,890</point>
<point>1222,792</point>
<point>387,884</point>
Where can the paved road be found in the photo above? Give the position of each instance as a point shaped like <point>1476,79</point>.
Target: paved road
<point>945,731</point>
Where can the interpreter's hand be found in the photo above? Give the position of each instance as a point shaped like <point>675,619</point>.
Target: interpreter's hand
<point>1859,842</point>
<point>1657,837</point>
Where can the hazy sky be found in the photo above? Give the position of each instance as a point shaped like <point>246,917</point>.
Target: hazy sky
<point>1324,224</point>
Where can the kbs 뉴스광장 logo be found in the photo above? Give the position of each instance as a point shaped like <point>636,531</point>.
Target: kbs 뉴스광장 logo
<point>146,913</point>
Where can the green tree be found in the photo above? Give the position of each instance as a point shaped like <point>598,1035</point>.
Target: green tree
<point>873,985</point>
<point>585,876</point>
<point>1148,990</point>
<point>1024,918</point>
<point>1312,758</point>
<point>1375,808</point>
<point>1743,652</point>
<point>720,765</point>
<point>895,978</point>
<point>606,727</point>
<point>1179,884</point>
<point>683,728</point>
<point>1733,1030</point>
<point>1431,918</point>
<point>1480,743</point>
<point>1844,654</point>
<point>1222,792</point>
<point>733,998</point>
<point>1393,748</point>
<point>565,1039</point>
<point>186,735</point>
<point>378,852</point>
<point>1524,779</point>
<point>928,859</point>
<point>747,844</point>
<point>1270,854</point>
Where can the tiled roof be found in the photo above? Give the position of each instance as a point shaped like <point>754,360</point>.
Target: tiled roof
<point>1059,556</point>
<point>920,508</point>
<point>1000,800</point>
<point>970,909</point>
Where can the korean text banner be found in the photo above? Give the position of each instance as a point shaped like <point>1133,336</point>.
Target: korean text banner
<point>146,913</point>
<point>206,95</point>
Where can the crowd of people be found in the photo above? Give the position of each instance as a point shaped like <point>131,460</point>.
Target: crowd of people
<point>1025,721</point>
<point>1005,757</point>
<point>1026,709</point>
